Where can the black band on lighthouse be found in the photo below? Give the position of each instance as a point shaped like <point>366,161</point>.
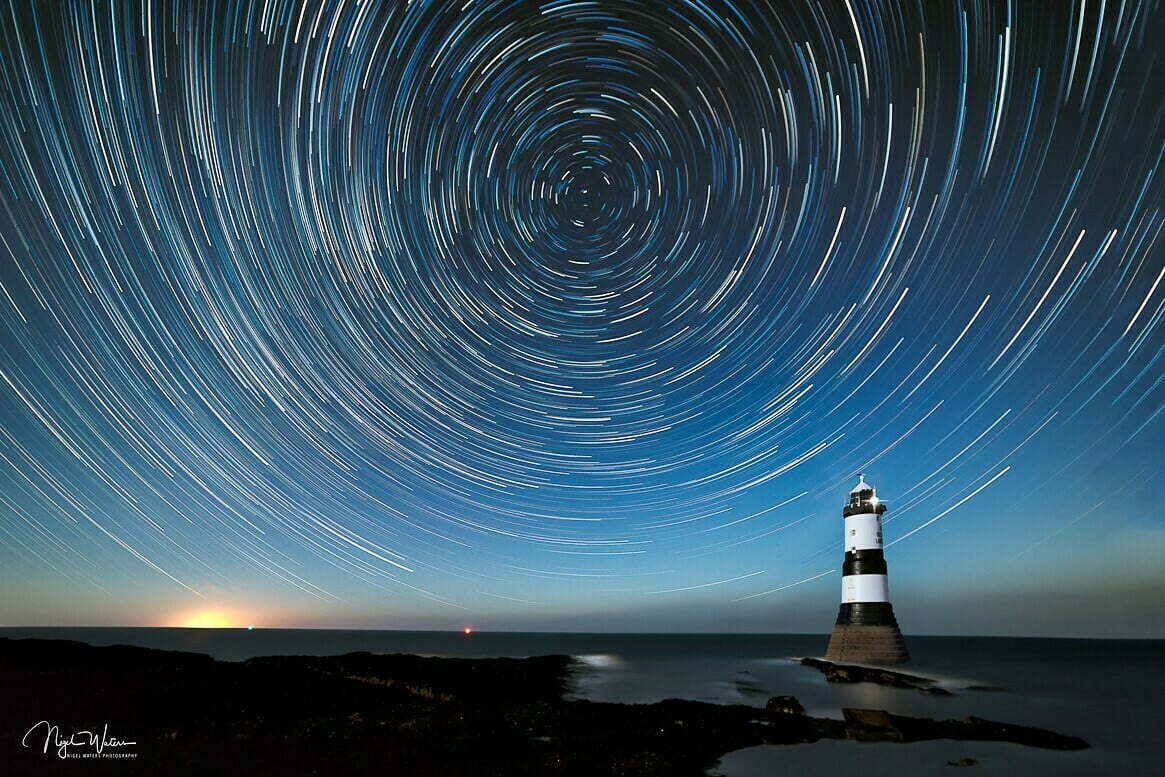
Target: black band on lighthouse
<point>864,562</point>
<point>867,614</point>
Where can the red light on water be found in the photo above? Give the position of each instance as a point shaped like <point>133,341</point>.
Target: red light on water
<point>468,631</point>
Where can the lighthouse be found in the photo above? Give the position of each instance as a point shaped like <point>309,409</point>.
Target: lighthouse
<point>866,630</point>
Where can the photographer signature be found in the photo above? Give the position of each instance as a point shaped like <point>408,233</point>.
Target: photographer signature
<point>101,741</point>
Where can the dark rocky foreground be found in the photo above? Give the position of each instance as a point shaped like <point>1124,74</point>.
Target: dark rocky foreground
<point>126,710</point>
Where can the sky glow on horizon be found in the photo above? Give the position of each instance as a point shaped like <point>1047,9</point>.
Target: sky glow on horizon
<point>581,315</point>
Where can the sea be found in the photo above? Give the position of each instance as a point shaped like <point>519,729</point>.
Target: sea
<point>1108,692</point>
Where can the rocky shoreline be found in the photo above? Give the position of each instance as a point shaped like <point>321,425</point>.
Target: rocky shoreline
<point>131,710</point>
<point>856,673</point>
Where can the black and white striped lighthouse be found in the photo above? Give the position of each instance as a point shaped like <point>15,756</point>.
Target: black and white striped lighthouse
<point>866,630</point>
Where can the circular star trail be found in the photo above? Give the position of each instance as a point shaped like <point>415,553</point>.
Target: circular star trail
<point>524,306</point>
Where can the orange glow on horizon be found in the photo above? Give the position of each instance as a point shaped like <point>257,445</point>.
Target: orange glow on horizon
<point>210,619</point>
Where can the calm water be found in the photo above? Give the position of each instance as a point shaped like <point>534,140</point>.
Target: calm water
<point>1106,691</point>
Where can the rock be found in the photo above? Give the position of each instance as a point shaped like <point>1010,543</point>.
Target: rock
<point>787,705</point>
<point>854,673</point>
<point>989,730</point>
<point>842,674</point>
<point>748,687</point>
<point>871,726</point>
<point>963,762</point>
<point>934,690</point>
<point>882,726</point>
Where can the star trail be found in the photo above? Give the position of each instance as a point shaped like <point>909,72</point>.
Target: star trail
<point>574,313</point>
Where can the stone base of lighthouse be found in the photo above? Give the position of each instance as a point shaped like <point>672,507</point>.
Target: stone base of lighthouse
<point>867,633</point>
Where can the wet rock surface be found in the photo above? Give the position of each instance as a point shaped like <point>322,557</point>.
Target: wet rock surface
<point>362,713</point>
<point>786,704</point>
<point>882,726</point>
<point>854,673</point>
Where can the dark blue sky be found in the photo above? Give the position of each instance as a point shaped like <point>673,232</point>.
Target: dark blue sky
<point>581,315</point>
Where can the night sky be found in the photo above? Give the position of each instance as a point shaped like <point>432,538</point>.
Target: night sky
<point>581,315</point>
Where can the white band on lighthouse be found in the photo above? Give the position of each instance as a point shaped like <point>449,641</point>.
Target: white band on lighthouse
<point>863,532</point>
<point>864,588</point>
